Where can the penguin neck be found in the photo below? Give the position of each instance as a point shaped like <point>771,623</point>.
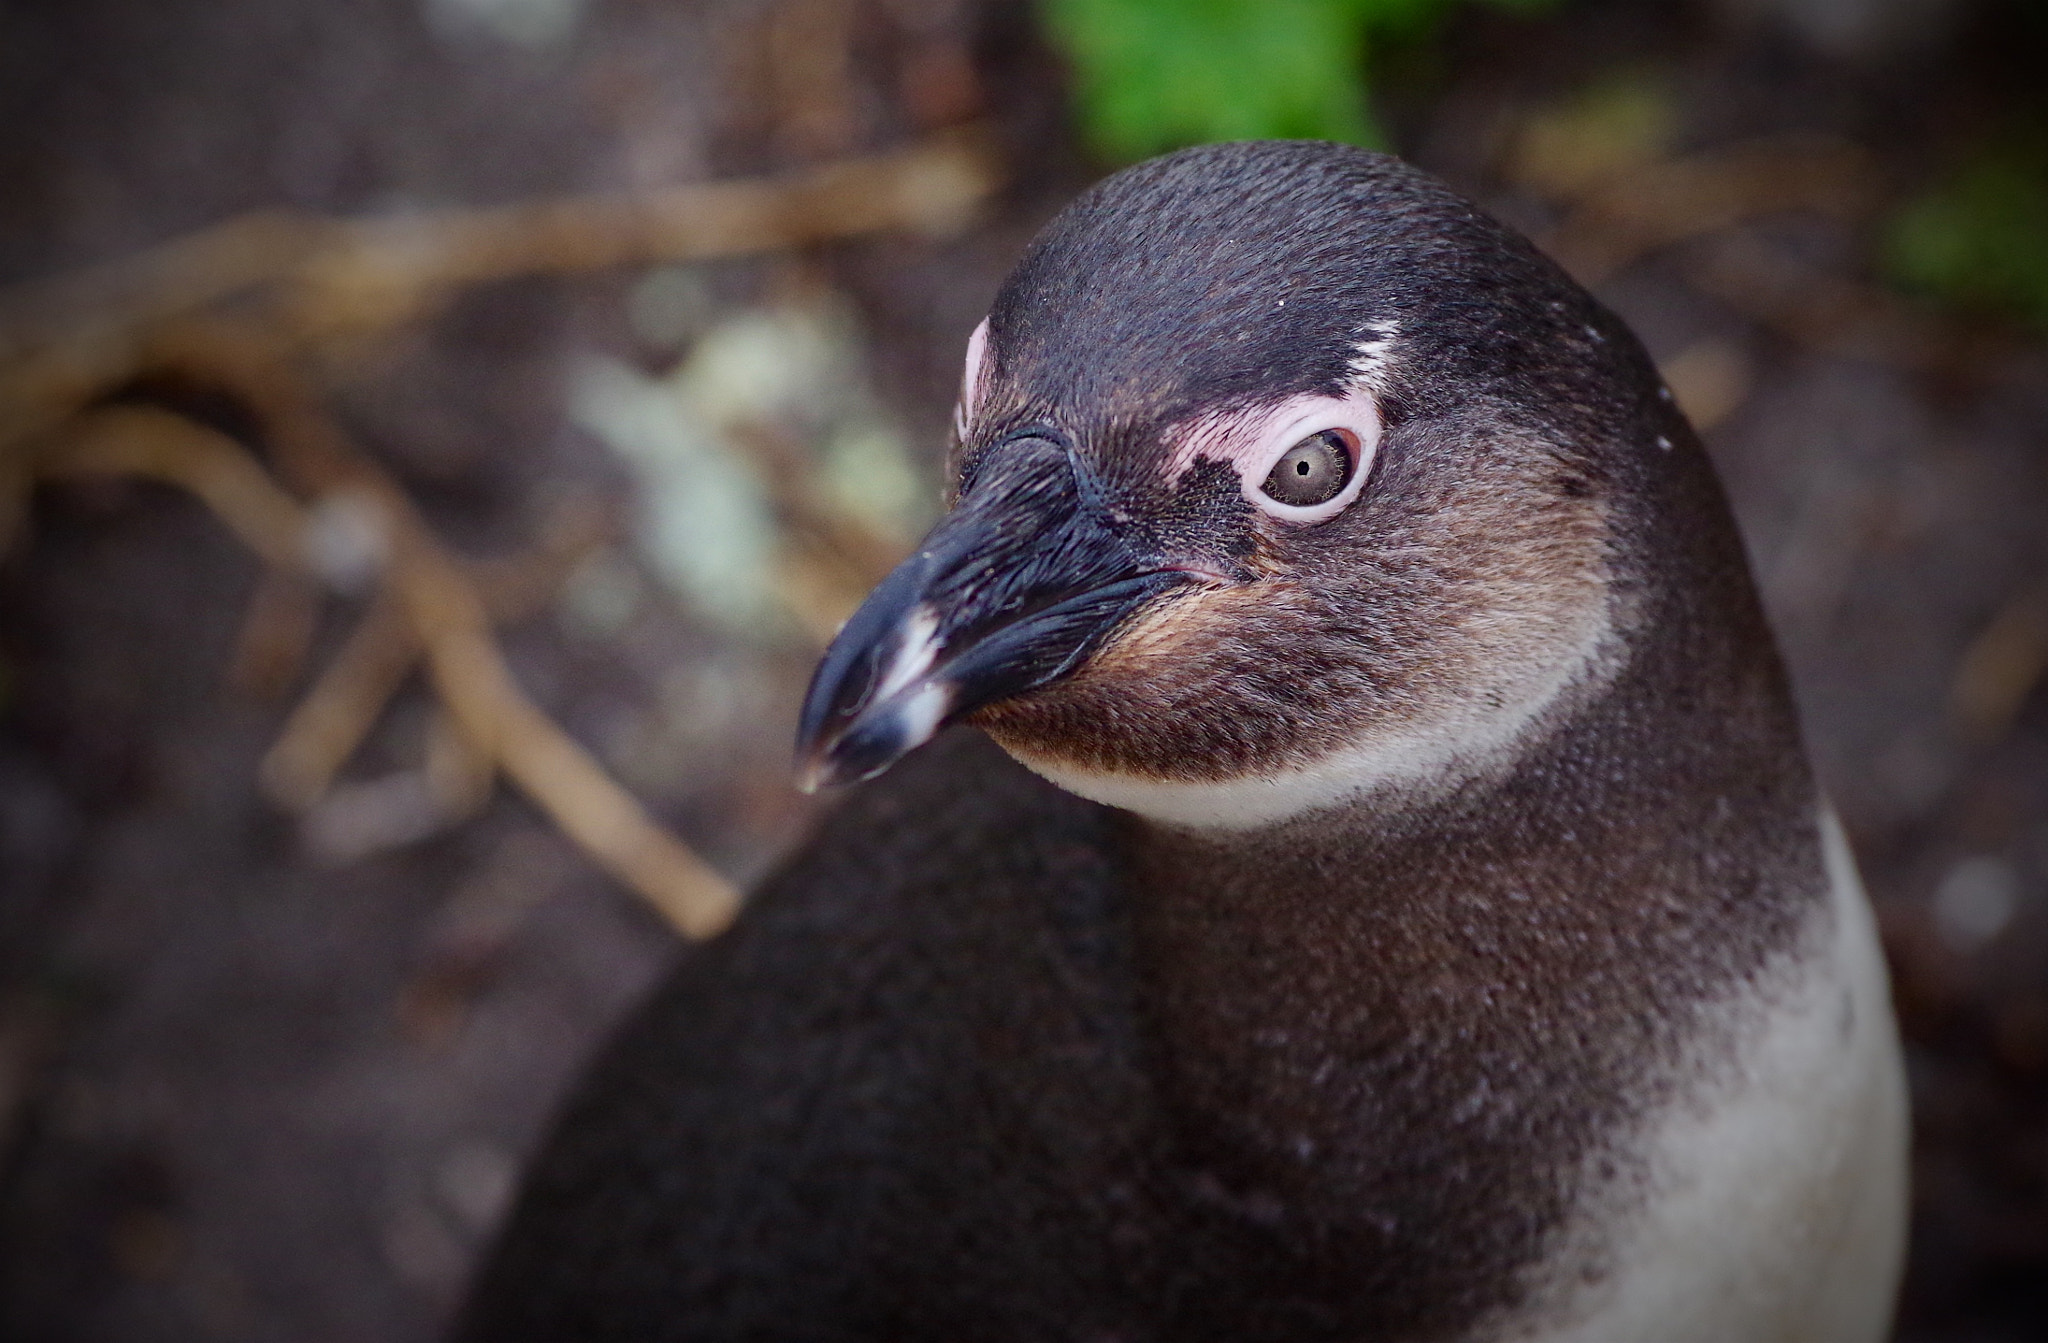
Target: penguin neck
<point>1491,981</point>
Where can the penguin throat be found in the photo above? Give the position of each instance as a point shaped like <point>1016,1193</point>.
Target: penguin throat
<point>1251,802</point>
<point>1409,761</point>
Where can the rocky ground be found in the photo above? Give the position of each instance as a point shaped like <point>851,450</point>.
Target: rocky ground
<point>264,1078</point>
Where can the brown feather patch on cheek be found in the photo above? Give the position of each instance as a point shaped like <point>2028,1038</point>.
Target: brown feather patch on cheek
<point>1188,628</point>
<point>1465,598</point>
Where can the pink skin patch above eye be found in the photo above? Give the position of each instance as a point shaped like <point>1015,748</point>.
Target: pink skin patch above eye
<point>970,381</point>
<point>1252,440</point>
<point>1249,440</point>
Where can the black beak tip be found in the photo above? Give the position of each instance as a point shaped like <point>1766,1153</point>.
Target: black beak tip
<point>846,735</point>
<point>815,771</point>
<point>844,760</point>
<point>852,758</point>
<point>843,734</point>
<point>819,763</point>
<point>816,741</point>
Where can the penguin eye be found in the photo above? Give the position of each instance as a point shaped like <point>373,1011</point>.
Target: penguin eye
<point>1313,471</point>
<point>1300,462</point>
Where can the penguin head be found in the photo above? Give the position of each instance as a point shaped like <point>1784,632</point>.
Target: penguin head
<point>1281,473</point>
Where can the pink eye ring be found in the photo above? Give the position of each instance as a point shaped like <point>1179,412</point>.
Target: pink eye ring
<point>1306,460</point>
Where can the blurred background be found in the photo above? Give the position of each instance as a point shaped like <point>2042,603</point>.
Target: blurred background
<point>436,437</point>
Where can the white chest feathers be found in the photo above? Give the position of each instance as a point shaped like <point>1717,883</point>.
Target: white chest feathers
<point>1767,1202</point>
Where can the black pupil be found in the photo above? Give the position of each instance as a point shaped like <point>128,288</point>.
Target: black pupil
<point>1314,471</point>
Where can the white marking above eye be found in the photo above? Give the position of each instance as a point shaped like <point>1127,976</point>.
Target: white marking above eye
<point>1373,355</point>
<point>1252,440</point>
<point>970,381</point>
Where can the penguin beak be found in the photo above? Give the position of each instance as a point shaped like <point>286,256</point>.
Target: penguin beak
<point>1011,592</point>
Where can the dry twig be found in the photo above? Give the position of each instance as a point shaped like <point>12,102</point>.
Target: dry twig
<point>1669,202</point>
<point>1709,197</point>
<point>440,606</point>
<point>65,341</point>
<point>298,284</point>
<point>342,706</point>
<point>2001,667</point>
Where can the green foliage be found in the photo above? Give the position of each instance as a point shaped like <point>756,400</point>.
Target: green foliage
<point>1152,75</point>
<point>1979,241</point>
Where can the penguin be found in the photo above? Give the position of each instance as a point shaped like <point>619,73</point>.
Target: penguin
<point>1338,859</point>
